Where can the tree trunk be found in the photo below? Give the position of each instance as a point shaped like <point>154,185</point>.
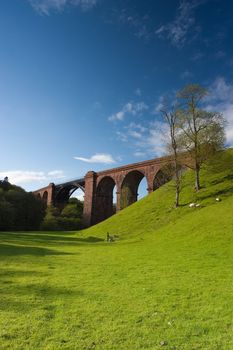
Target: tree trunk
<point>177,196</point>
<point>177,175</point>
<point>197,177</point>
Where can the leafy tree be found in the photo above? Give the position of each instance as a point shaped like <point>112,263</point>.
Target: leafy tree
<point>51,222</point>
<point>202,132</point>
<point>71,215</point>
<point>7,213</point>
<point>19,210</point>
<point>69,218</point>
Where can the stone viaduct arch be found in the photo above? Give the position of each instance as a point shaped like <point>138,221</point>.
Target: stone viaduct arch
<point>98,188</point>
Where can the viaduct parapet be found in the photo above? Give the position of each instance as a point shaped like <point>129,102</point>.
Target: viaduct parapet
<point>98,188</point>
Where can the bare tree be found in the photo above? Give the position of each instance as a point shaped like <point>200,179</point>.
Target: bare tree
<point>202,132</point>
<point>172,145</point>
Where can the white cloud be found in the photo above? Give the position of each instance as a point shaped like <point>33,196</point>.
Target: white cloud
<point>130,108</point>
<point>58,174</point>
<point>159,105</point>
<point>44,7</point>
<point>220,90</point>
<point>156,139</point>
<point>177,30</point>
<point>117,116</point>
<point>136,126</point>
<point>122,136</point>
<point>135,134</point>
<point>220,99</point>
<point>98,158</point>
<point>19,177</point>
<point>147,140</point>
<point>139,154</point>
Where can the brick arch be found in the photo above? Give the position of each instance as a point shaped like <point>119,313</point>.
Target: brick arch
<point>45,196</point>
<point>163,175</point>
<point>104,198</point>
<point>127,175</point>
<point>129,187</point>
<point>64,193</point>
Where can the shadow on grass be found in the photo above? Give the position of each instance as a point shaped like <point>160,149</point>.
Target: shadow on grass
<point>8,249</point>
<point>25,298</point>
<point>32,238</point>
<point>221,161</point>
<point>228,177</point>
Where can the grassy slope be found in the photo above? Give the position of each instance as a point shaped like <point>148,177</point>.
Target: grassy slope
<point>168,278</point>
<point>157,210</point>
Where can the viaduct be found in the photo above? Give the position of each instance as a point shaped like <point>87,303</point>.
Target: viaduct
<point>98,188</point>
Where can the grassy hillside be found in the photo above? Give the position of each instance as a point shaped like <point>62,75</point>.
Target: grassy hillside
<point>166,283</point>
<point>156,210</point>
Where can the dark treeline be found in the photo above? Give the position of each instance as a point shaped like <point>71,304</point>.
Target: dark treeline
<point>19,210</point>
<point>22,211</point>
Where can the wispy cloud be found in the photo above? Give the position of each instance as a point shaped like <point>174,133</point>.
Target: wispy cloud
<point>220,55</point>
<point>58,174</point>
<point>220,99</point>
<point>155,140</point>
<point>103,158</point>
<point>130,108</point>
<point>139,154</point>
<point>158,105</point>
<point>44,7</point>
<point>19,177</point>
<point>138,92</point>
<point>138,24</point>
<point>197,56</point>
<point>147,141</point>
<point>186,74</point>
<point>177,30</point>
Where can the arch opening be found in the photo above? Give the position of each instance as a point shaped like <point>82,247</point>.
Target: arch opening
<point>45,197</point>
<point>78,193</point>
<point>67,192</point>
<point>129,188</point>
<point>142,188</point>
<point>164,175</point>
<point>105,199</point>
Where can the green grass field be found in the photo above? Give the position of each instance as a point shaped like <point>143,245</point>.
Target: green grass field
<point>167,282</point>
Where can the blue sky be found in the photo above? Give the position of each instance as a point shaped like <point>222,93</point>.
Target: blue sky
<point>81,81</point>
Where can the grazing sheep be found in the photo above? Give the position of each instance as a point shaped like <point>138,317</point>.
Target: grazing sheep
<point>192,205</point>
<point>218,199</point>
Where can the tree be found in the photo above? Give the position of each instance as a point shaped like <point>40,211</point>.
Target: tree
<point>172,145</point>
<point>69,218</point>
<point>19,210</point>
<point>202,132</point>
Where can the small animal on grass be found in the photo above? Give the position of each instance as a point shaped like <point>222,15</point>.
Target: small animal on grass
<point>109,238</point>
<point>194,205</point>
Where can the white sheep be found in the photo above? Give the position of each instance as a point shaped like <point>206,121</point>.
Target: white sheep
<point>192,205</point>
